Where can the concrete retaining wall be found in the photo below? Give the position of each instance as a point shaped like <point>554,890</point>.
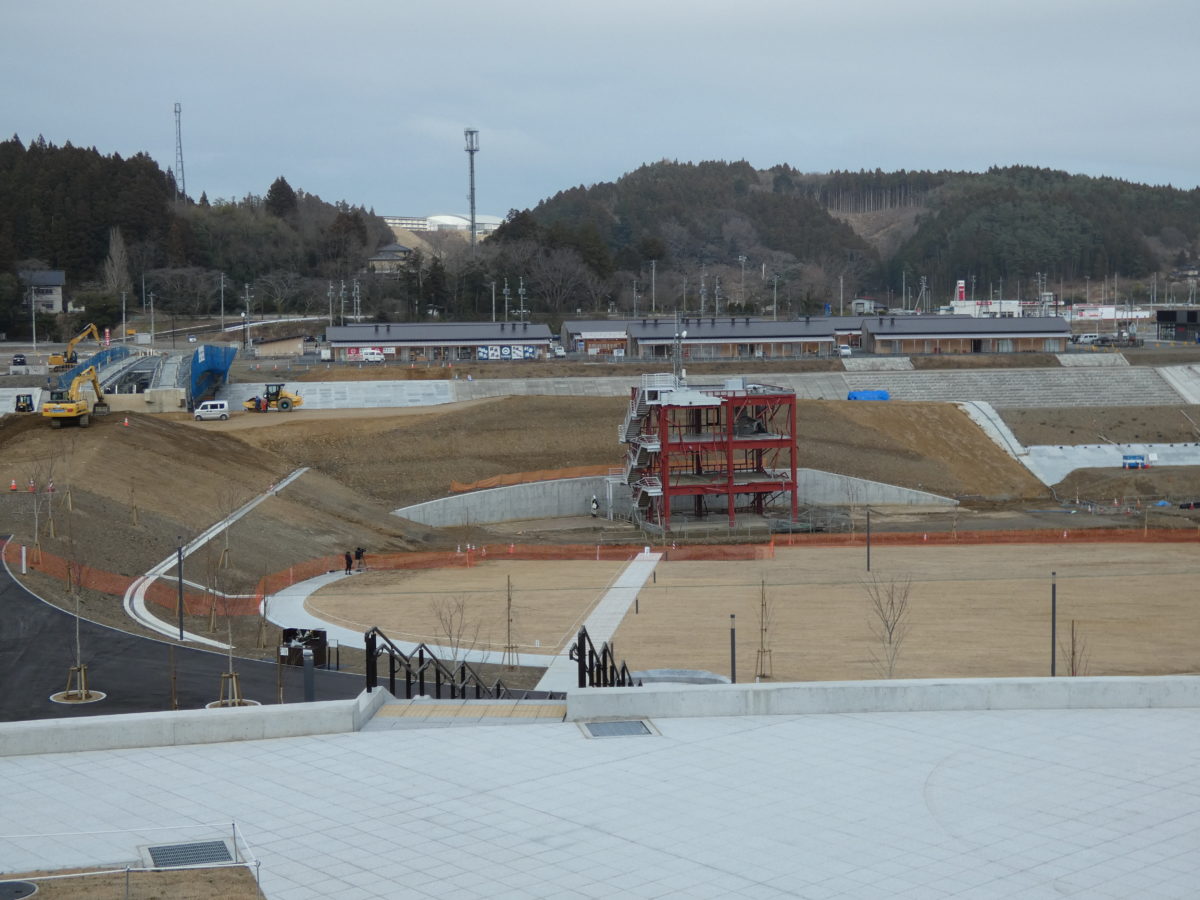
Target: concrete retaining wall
<point>538,500</point>
<point>819,488</point>
<point>792,699</point>
<point>193,726</point>
<point>572,496</point>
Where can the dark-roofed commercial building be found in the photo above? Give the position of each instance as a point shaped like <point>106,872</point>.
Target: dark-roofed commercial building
<point>732,337</point>
<point>887,335</point>
<point>596,337</point>
<point>441,341</point>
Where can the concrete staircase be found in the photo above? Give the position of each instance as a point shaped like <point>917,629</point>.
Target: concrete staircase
<point>1091,386</point>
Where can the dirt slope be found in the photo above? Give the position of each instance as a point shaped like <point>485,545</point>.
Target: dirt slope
<point>410,458</point>
<point>134,490</point>
<point>928,446</point>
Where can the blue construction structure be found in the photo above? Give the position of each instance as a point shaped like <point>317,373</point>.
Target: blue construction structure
<point>209,370</point>
<point>100,359</point>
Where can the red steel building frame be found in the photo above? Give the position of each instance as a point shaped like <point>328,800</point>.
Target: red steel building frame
<point>706,441</point>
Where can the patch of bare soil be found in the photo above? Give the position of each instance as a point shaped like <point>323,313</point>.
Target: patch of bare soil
<point>928,446</point>
<point>235,883</point>
<point>884,229</point>
<point>1100,424</point>
<point>1163,355</point>
<point>290,369</point>
<point>412,458</point>
<point>1175,483</point>
<point>987,361</point>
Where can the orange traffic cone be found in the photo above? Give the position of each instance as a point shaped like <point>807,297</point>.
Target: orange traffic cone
<point>32,486</point>
<point>126,422</point>
<point>13,486</point>
<point>50,488</point>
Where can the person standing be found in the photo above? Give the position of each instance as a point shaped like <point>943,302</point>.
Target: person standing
<point>349,562</point>
<point>595,506</point>
<point>360,556</point>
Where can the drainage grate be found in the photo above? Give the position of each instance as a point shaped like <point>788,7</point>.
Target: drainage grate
<point>617,729</point>
<point>199,853</point>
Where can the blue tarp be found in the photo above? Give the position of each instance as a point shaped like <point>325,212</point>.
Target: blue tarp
<point>868,395</point>
<point>209,370</point>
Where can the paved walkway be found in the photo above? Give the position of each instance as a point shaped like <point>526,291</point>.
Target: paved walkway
<point>603,622</point>
<point>286,608</point>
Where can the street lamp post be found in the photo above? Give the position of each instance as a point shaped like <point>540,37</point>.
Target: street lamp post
<point>179,573</point>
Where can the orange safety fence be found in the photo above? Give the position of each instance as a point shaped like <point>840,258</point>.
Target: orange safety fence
<point>1025,536</point>
<point>164,593</point>
<point>512,478</point>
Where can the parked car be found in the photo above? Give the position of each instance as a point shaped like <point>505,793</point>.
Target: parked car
<point>558,350</point>
<point>18,359</point>
<point>844,350</point>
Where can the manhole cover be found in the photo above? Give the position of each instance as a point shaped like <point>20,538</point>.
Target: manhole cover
<point>15,890</point>
<point>195,854</point>
<point>617,729</point>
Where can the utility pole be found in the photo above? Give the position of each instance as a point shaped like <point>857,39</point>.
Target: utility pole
<point>505,293</point>
<point>742,289</point>
<point>841,295</point>
<point>493,301</point>
<point>33,316</point>
<point>775,297</point>
<point>521,295</point>
<point>653,295</point>
<point>222,301</point>
<point>329,295</point>
<point>124,330</point>
<point>703,290</point>
<point>152,317</point>
<point>635,298</point>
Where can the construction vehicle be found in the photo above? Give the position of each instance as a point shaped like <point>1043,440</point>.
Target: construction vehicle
<point>71,407</point>
<point>24,403</point>
<point>274,397</point>
<point>69,357</point>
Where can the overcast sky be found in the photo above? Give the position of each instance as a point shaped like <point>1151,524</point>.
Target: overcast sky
<point>367,101</point>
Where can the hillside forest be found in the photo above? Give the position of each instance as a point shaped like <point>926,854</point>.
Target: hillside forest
<point>710,237</point>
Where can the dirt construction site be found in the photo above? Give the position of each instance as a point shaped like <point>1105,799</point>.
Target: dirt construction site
<point>128,490</point>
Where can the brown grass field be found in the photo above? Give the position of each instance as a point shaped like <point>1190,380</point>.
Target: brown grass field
<point>235,883</point>
<point>975,611</point>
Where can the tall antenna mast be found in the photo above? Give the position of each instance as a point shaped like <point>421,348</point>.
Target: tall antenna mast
<point>472,136</point>
<point>180,181</point>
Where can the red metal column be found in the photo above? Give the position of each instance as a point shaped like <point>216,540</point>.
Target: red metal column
<point>729,417</point>
<point>664,458</point>
<point>794,443</point>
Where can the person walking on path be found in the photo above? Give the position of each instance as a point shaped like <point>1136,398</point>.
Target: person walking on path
<point>360,556</point>
<point>349,562</point>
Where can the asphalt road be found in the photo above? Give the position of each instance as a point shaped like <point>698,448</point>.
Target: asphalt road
<point>37,648</point>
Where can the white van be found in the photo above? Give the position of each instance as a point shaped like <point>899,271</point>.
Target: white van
<point>212,409</point>
<point>370,354</point>
<point>1085,338</point>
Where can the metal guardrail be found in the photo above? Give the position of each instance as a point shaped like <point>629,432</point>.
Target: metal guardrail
<point>423,668</point>
<point>598,668</point>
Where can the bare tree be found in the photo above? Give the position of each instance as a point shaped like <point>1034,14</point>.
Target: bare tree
<point>766,615</point>
<point>889,618</point>
<point>1074,648</point>
<point>455,631</point>
<point>116,266</point>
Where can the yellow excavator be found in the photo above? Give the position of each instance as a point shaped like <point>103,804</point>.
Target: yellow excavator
<point>274,397</point>
<point>71,407</point>
<point>69,357</point>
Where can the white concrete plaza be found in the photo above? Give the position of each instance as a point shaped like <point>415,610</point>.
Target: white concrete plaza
<point>1018,803</point>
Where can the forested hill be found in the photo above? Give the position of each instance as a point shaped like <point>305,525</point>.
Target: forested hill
<point>814,229</point>
<point>73,208</point>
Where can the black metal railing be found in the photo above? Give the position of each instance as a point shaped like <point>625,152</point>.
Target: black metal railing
<point>423,670</point>
<point>598,668</point>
